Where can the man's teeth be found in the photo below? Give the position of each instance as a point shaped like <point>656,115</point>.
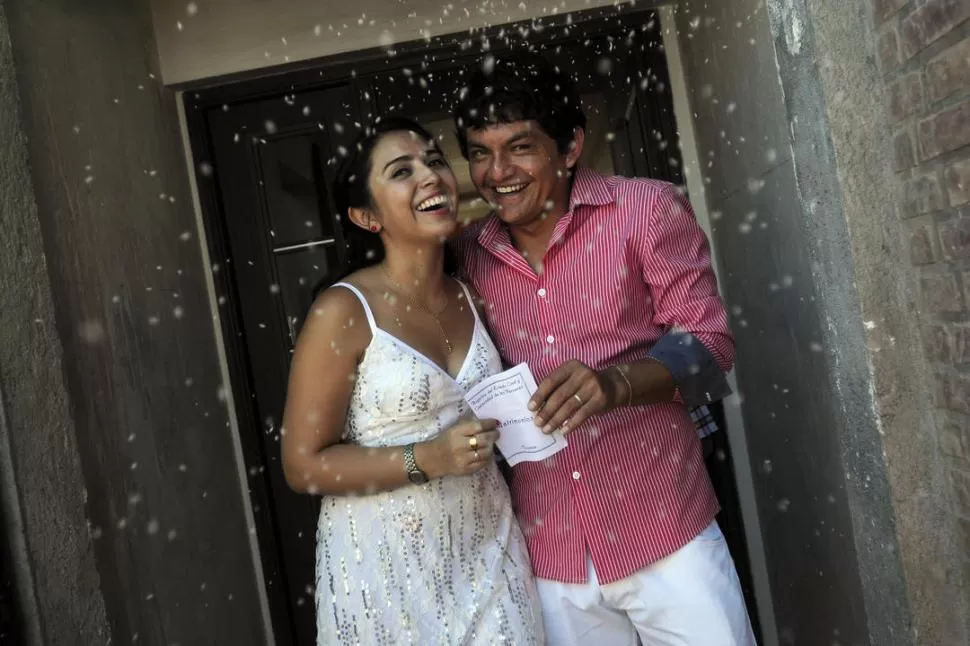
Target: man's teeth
<point>505,190</point>
<point>432,202</point>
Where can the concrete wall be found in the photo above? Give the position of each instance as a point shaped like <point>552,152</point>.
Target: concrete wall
<point>204,39</point>
<point>788,116</point>
<point>42,492</point>
<point>161,483</point>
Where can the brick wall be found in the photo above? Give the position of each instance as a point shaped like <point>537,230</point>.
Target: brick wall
<point>923,48</point>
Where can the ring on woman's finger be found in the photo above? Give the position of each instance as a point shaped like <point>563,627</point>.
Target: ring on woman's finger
<point>473,442</point>
<point>578,398</point>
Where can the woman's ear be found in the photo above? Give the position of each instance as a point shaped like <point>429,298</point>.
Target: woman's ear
<point>364,218</point>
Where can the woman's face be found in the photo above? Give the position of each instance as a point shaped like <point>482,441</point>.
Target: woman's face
<point>414,191</point>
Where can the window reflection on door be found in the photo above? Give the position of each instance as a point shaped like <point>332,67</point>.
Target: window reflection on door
<point>303,236</point>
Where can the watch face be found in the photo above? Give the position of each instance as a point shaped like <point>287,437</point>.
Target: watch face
<point>417,477</point>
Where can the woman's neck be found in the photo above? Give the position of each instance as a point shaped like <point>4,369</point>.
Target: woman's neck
<point>419,271</point>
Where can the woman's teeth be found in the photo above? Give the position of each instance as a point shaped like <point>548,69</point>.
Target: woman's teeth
<point>432,203</point>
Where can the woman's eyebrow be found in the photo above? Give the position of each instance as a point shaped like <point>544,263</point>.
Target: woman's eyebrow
<point>397,159</point>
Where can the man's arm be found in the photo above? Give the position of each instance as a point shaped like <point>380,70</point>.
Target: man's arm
<point>699,377</point>
<point>698,350</point>
<point>690,362</point>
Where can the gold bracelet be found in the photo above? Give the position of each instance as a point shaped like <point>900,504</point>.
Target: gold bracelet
<point>629,386</point>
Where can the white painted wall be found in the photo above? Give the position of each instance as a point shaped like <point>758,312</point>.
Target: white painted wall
<point>199,39</point>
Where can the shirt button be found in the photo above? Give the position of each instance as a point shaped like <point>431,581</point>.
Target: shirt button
<point>575,475</point>
<point>541,292</point>
<point>550,339</point>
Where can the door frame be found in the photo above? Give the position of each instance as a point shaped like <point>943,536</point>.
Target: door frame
<point>743,469</point>
<point>194,102</point>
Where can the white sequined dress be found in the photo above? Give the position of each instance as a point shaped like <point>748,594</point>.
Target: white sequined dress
<point>439,563</point>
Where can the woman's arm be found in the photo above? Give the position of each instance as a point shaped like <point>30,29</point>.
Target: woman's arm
<point>322,376</point>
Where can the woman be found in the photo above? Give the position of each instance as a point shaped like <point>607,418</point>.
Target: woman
<point>417,542</point>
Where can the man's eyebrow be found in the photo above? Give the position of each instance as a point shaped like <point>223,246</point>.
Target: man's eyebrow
<point>525,134</point>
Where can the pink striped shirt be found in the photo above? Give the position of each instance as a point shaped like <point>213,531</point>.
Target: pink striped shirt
<point>626,263</point>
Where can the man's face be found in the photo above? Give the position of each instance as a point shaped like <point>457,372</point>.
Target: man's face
<point>518,169</point>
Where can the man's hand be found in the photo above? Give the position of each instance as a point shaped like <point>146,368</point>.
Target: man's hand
<point>571,394</point>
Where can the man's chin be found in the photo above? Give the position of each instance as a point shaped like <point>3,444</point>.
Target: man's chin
<point>516,217</point>
<point>508,215</point>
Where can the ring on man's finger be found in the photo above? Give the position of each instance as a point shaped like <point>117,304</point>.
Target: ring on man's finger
<point>473,442</point>
<point>578,398</point>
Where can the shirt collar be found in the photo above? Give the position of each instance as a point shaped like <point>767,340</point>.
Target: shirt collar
<point>589,189</point>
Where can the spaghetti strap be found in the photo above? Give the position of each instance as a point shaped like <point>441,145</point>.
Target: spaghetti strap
<point>471,303</point>
<point>363,301</point>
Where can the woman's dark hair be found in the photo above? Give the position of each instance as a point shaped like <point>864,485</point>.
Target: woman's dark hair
<point>518,86</point>
<point>351,190</point>
<point>363,248</point>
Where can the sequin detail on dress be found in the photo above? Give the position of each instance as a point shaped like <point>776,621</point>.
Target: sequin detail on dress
<point>443,563</point>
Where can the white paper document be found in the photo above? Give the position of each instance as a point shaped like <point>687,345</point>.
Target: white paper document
<point>505,397</point>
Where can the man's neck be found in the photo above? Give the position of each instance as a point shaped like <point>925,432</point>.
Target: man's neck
<point>539,231</point>
<point>532,239</point>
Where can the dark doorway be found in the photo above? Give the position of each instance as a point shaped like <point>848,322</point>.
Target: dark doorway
<point>266,150</point>
<point>11,630</point>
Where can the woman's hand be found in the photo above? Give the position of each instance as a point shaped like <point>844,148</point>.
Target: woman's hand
<point>460,450</point>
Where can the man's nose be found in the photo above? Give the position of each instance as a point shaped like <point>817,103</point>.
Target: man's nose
<point>499,169</point>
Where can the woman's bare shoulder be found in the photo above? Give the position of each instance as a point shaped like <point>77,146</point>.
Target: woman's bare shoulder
<point>336,317</point>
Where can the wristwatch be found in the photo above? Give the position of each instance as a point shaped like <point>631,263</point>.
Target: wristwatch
<point>415,474</point>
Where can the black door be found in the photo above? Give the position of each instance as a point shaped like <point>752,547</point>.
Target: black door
<point>273,161</point>
<point>269,148</point>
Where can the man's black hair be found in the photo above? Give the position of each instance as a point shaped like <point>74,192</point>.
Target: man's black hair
<point>518,86</point>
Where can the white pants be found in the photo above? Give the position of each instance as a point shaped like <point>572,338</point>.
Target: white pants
<point>691,598</point>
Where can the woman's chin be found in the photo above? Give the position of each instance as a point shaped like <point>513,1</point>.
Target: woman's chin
<point>448,229</point>
<point>443,227</point>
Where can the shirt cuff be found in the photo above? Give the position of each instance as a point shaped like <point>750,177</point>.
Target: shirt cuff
<point>695,371</point>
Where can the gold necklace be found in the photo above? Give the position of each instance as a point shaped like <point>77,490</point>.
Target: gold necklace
<point>421,306</point>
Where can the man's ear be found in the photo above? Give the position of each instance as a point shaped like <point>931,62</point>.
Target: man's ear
<point>364,218</point>
<point>575,150</point>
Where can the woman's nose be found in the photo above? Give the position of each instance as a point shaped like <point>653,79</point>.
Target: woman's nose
<point>428,176</point>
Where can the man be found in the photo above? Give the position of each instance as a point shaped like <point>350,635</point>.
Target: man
<point>604,286</point>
